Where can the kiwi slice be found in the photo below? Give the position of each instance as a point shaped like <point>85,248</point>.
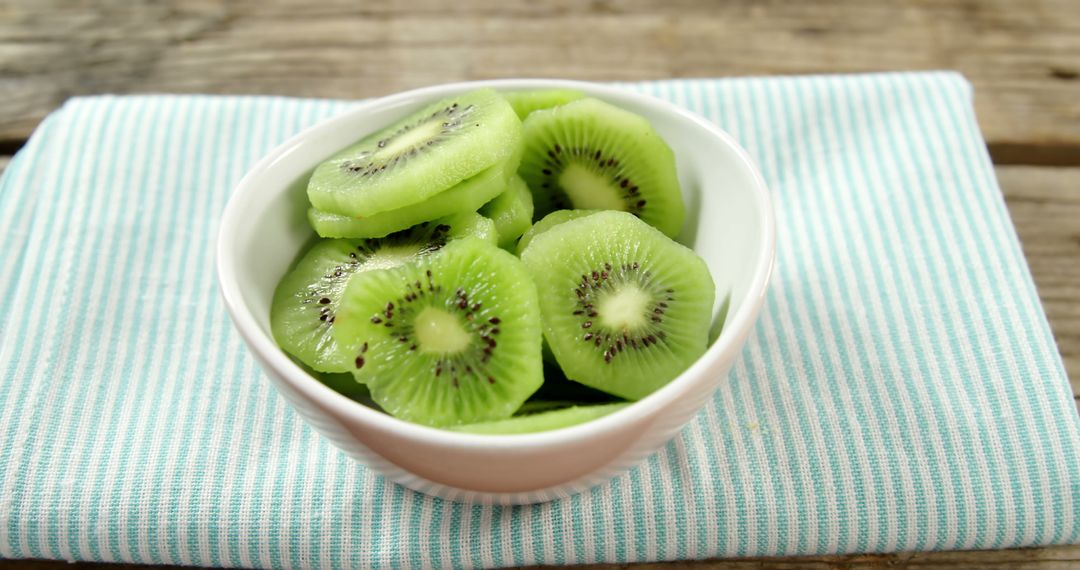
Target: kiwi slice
<point>305,303</point>
<point>421,155</point>
<point>625,309</point>
<point>511,211</point>
<point>525,102</point>
<point>467,196</point>
<point>553,417</point>
<point>590,155</point>
<point>454,339</point>
<point>549,221</point>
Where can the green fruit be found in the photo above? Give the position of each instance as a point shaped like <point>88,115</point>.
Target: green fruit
<point>525,102</point>
<point>421,155</point>
<point>542,419</point>
<point>625,309</point>
<point>549,221</point>
<point>590,155</point>
<point>467,196</point>
<point>305,304</point>
<point>454,339</point>
<point>511,211</point>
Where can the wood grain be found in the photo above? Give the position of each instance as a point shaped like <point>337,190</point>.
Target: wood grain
<point>1024,63</point>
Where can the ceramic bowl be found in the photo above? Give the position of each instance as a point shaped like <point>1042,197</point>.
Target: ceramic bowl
<point>730,223</point>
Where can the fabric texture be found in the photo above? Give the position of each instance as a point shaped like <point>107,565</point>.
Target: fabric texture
<point>901,391</point>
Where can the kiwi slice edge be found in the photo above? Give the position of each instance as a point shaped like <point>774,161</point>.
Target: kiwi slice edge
<point>453,339</point>
<point>626,309</point>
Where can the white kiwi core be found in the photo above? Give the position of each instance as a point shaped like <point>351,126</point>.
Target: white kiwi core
<point>439,332</point>
<point>412,137</point>
<point>589,190</point>
<point>625,309</point>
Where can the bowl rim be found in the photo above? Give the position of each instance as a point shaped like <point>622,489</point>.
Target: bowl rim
<point>731,337</point>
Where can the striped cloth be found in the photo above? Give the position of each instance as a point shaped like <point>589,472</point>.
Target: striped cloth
<point>902,389</point>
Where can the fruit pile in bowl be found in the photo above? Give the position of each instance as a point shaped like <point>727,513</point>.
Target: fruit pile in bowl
<point>503,291</point>
<point>410,293</point>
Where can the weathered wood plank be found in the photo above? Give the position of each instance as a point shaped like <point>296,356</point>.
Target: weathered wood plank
<point>1045,207</point>
<point>1024,63</point>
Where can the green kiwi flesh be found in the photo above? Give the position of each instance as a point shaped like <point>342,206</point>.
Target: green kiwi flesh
<point>417,157</point>
<point>453,339</point>
<point>543,420</point>
<point>625,309</point>
<point>590,155</point>
<point>511,211</point>
<point>549,221</point>
<point>525,102</point>
<point>305,303</point>
<point>467,196</point>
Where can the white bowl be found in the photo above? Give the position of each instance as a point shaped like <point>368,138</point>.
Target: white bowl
<point>730,224</point>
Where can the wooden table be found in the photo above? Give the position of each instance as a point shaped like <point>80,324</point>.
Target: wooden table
<point>1022,57</point>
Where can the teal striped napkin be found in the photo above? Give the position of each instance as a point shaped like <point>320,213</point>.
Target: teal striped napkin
<point>902,390</point>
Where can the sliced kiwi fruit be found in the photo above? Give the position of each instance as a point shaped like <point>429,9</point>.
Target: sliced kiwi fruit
<point>525,102</point>
<point>511,211</point>
<point>451,340</point>
<point>549,221</point>
<point>553,417</point>
<point>625,309</point>
<point>467,196</point>
<point>417,157</point>
<point>305,304</point>
<point>590,155</point>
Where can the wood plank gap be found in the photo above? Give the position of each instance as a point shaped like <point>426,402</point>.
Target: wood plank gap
<point>1035,154</point>
<point>1002,154</point>
<point>10,147</point>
